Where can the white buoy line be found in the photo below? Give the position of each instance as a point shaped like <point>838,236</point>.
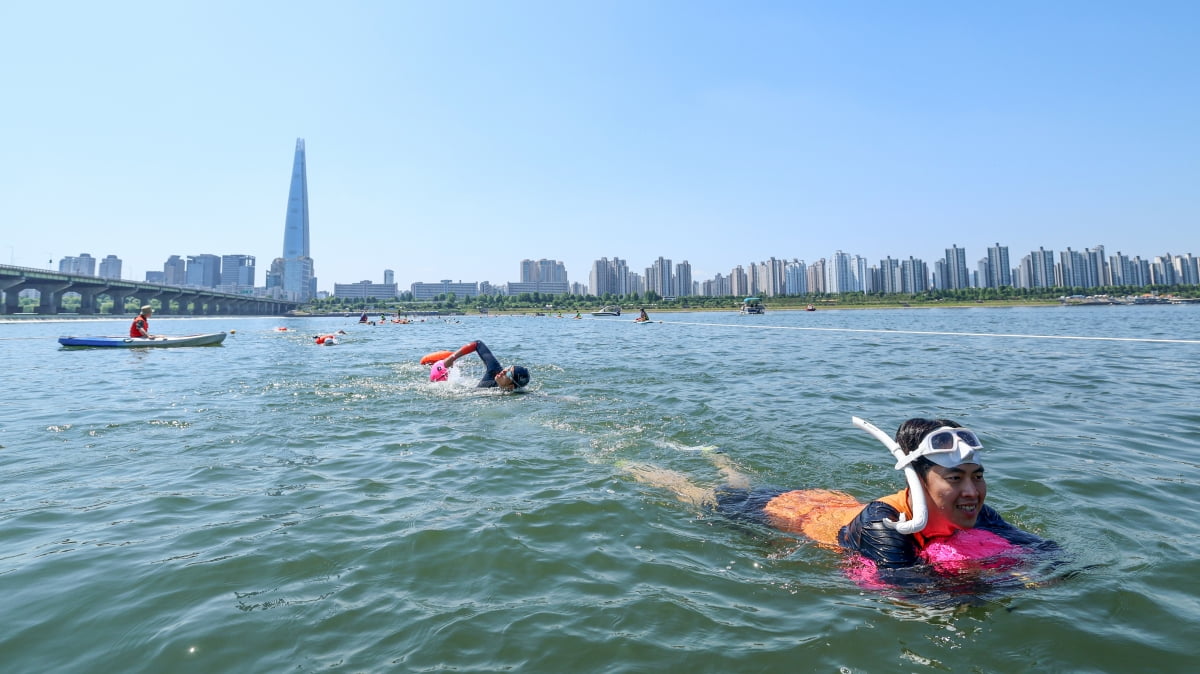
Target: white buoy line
<point>941,333</point>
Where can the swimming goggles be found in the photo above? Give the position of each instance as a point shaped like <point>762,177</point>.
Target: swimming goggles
<point>945,446</point>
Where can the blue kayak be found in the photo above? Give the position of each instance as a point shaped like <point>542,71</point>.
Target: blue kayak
<point>142,342</point>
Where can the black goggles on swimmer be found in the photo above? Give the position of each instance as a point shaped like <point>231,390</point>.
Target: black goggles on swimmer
<point>948,447</point>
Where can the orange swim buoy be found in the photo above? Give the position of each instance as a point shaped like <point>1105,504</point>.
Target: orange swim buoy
<point>816,513</point>
<point>435,357</point>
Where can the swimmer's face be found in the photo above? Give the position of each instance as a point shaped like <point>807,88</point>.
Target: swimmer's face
<point>956,494</point>
<point>504,379</point>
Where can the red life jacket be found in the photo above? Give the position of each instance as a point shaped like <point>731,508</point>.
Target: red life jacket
<point>135,329</point>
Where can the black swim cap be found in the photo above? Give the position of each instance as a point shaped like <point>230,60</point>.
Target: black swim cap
<point>520,376</point>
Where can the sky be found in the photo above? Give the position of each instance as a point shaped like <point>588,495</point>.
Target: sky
<point>451,140</point>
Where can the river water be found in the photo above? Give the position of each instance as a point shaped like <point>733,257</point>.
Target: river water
<point>271,505</point>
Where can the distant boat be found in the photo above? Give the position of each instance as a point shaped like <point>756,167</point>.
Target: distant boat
<point>608,310</point>
<point>810,308</point>
<point>142,342</point>
<point>753,305</point>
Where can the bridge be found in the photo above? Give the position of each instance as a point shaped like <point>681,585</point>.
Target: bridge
<point>172,300</point>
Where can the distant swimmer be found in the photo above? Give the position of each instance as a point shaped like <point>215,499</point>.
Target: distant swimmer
<point>507,378</point>
<point>940,520</point>
<point>330,339</point>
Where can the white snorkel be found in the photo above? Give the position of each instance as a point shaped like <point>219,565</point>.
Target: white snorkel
<point>916,490</point>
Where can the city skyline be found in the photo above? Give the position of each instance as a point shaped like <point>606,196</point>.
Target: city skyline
<point>840,272</point>
<point>454,141</point>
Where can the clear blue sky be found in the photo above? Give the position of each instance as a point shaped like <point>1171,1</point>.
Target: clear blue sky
<point>453,139</point>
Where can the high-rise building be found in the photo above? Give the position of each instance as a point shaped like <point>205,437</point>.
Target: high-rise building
<point>529,271</point>
<point>840,276</point>
<point>890,280</point>
<point>718,286</point>
<point>1162,271</point>
<point>297,280</point>
<point>551,271</point>
<point>999,271</point>
<point>658,278</point>
<point>816,277</point>
<point>237,273</point>
<point>110,267</point>
<point>609,277</point>
<point>739,281</point>
<point>954,274</point>
<point>601,279</point>
<point>1187,270</point>
<point>174,271</point>
<point>84,265</point>
<point>544,276</point>
<point>1098,273</point>
<point>1072,269</point>
<point>683,279</point>
<point>1041,268</point>
<point>203,271</point>
<point>914,276</point>
<point>796,278</point>
<point>389,276</point>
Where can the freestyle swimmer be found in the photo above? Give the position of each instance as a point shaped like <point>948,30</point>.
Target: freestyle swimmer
<point>507,378</point>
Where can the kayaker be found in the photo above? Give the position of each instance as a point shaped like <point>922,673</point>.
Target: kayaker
<point>141,324</point>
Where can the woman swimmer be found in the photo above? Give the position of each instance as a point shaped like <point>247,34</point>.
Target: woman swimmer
<point>947,473</point>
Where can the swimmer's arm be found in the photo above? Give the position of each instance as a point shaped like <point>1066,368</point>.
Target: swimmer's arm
<point>462,351</point>
<point>990,520</point>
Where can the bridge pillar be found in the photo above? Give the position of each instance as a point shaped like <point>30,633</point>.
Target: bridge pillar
<point>173,297</point>
<point>119,298</point>
<point>11,287</point>
<point>51,299</point>
<point>89,299</point>
<point>12,302</point>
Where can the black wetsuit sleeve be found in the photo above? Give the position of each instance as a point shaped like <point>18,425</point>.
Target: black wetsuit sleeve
<point>868,536</point>
<point>489,361</point>
<point>990,520</point>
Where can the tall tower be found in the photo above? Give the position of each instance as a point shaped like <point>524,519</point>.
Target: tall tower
<point>298,281</point>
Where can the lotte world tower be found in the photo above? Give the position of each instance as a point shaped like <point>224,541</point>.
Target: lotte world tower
<point>293,273</point>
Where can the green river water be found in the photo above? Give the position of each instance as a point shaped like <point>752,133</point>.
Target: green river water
<point>269,505</point>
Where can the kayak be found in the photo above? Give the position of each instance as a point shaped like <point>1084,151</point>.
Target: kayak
<point>142,342</point>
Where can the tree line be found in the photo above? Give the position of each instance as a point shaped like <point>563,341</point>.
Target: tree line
<point>541,302</point>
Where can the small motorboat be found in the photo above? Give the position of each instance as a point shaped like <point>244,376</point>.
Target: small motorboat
<point>608,310</point>
<point>753,305</point>
<point>210,339</point>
